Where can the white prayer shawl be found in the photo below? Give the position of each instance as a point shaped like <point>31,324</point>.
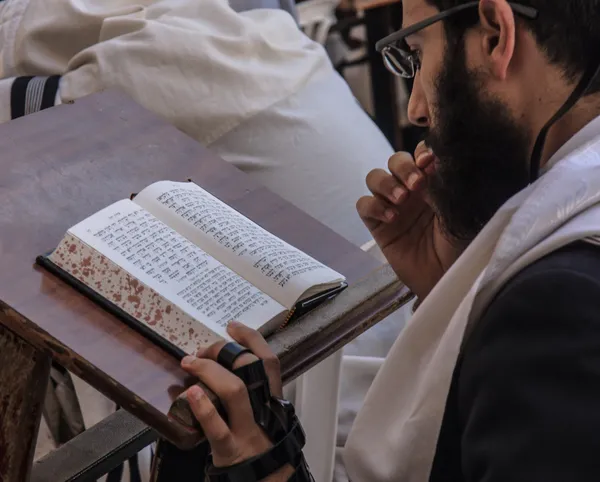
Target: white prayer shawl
<point>395,434</point>
<point>181,57</point>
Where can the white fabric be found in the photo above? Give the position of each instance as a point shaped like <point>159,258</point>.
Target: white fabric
<point>5,86</point>
<point>249,85</point>
<point>316,17</point>
<point>316,402</point>
<point>362,359</point>
<point>395,434</point>
<point>314,149</point>
<point>181,57</point>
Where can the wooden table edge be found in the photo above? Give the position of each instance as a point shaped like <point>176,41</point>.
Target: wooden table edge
<point>382,295</point>
<point>66,357</point>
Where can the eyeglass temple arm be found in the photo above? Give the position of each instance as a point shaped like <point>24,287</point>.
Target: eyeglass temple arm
<point>524,10</point>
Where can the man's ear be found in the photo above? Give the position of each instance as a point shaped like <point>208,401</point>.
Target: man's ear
<point>497,22</point>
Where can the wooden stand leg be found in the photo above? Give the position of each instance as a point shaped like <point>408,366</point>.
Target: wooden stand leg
<point>23,378</point>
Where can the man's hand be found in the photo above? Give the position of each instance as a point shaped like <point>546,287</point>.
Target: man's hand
<point>400,217</point>
<point>241,438</point>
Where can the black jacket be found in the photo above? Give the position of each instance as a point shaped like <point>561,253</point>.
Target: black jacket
<point>524,404</point>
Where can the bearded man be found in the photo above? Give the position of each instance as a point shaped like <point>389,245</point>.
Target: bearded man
<point>495,226</point>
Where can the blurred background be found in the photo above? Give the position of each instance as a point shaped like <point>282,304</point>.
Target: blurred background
<point>349,29</point>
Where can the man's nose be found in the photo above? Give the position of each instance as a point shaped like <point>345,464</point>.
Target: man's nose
<point>418,112</point>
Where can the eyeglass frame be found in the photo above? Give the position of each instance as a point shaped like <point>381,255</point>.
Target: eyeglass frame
<point>387,42</point>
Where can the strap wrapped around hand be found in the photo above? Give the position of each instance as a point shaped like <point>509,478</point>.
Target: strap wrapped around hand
<point>288,450</point>
<point>255,378</point>
<point>254,375</point>
<point>301,473</point>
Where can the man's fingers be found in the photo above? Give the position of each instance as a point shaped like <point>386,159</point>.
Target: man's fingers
<point>383,184</point>
<point>254,341</point>
<point>403,167</point>
<point>373,211</point>
<point>421,150</point>
<point>230,389</point>
<point>251,339</point>
<point>430,169</point>
<point>216,430</point>
<point>424,156</point>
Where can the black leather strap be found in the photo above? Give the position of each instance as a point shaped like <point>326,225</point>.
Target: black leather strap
<point>287,450</point>
<point>256,380</point>
<point>230,353</point>
<point>301,473</point>
<point>590,76</point>
<point>253,375</point>
<point>269,413</point>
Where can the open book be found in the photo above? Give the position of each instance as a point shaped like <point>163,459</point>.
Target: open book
<point>178,264</point>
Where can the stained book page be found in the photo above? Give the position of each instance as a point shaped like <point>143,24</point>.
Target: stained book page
<point>269,263</point>
<point>132,296</point>
<point>171,265</point>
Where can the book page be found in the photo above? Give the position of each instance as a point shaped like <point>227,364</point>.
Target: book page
<point>132,296</point>
<point>181,272</point>
<point>269,263</point>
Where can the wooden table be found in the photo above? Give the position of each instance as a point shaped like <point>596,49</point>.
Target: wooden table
<point>63,164</point>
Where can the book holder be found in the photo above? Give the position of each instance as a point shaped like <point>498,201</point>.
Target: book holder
<point>59,166</point>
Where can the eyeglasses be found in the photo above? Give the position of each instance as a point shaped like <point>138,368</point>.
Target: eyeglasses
<point>402,61</point>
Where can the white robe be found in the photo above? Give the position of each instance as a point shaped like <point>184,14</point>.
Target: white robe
<point>197,48</point>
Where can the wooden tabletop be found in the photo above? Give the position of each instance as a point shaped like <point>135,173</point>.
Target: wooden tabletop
<point>62,165</point>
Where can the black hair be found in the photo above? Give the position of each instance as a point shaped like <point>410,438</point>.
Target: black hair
<point>568,31</point>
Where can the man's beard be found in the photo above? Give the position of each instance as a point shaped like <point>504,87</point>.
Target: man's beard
<point>482,153</point>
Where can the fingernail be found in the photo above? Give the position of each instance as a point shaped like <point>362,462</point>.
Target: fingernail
<point>423,156</point>
<point>187,360</point>
<point>389,214</point>
<point>200,352</point>
<point>413,179</point>
<point>397,193</point>
<point>234,324</point>
<point>196,393</point>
